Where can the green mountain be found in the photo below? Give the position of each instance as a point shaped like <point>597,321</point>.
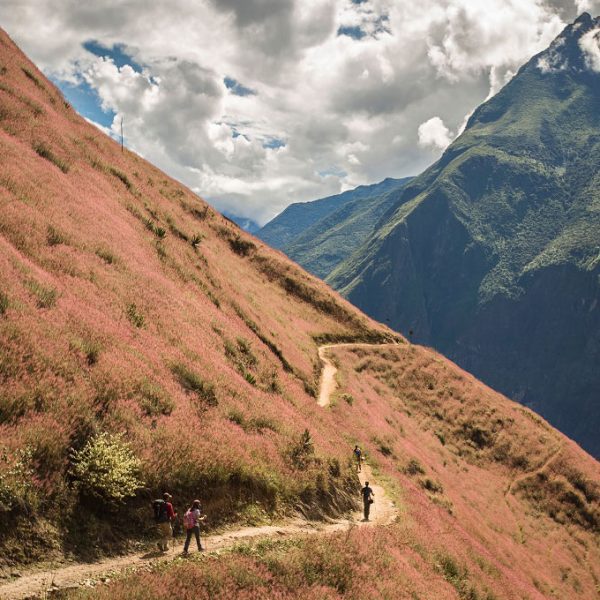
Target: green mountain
<point>320,234</point>
<point>492,255</point>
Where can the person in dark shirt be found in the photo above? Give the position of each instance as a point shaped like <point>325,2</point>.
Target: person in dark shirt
<point>358,456</point>
<point>166,516</point>
<point>367,496</point>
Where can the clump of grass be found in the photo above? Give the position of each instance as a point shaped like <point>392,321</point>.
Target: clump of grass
<point>89,348</point>
<point>414,467</point>
<point>45,295</point>
<point>200,213</point>
<point>195,241</point>
<point>106,255</point>
<point>348,398</point>
<point>241,355</point>
<point>458,577</point>
<point>431,485</point>
<point>193,382</point>
<point>384,447</point>
<point>240,246</point>
<point>302,452</point>
<point>121,176</point>
<point>135,317</point>
<point>4,303</point>
<point>33,78</point>
<point>45,152</point>
<point>153,399</point>
<point>250,378</point>
<point>256,424</point>
<point>157,230</point>
<point>160,250</point>
<point>263,338</point>
<point>55,237</point>
<point>175,230</point>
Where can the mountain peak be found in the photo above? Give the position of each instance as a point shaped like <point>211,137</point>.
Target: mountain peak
<point>584,18</point>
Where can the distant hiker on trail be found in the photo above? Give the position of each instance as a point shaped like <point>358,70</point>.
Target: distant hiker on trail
<point>358,455</point>
<point>191,521</point>
<point>163,515</point>
<point>367,496</point>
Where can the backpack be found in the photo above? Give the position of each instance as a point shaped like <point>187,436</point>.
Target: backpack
<point>189,519</point>
<point>160,511</point>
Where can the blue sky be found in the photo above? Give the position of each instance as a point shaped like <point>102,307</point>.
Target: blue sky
<point>256,104</point>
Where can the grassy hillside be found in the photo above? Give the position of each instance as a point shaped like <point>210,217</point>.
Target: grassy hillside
<point>491,255</point>
<point>319,235</point>
<point>146,343</point>
<point>128,305</point>
<point>494,502</point>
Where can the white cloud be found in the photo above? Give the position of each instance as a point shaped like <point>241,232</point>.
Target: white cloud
<point>591,6</point>
<point>590,46</point>
<point>434,134</point>
<point>329,111</point>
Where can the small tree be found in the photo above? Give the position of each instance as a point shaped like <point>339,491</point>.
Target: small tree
<point>303,451</point>
<point>106,468</point>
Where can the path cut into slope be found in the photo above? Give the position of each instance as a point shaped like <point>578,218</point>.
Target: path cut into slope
<point>383,510</point>
<point>39,584</point>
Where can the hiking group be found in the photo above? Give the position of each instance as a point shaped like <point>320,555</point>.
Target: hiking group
<point>366,492</point>
<point>165,516</point>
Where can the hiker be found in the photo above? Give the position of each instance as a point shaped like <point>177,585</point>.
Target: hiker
<point>163,515</point>
<point>367,495</point>
<point>191,521</point>
<point>358,455</point>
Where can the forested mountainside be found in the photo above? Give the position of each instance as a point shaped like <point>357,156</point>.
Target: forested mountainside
<point>492,255</point>
<point>319,235</point>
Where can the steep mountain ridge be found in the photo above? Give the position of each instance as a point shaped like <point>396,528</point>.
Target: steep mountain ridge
<point>492,254</point>
<point>318,235</point>
<point>130,309</point>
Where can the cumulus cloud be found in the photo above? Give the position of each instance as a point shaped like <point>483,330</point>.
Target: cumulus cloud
<point>590,46</point>
<point>258,103</point>
<point>434,134</point>
<point>591,6</point>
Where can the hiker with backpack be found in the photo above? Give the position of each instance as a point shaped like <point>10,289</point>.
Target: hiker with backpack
<point>191,521</point>
<point>164,515</point>
<point>367,496</point>
<point>358,455</point>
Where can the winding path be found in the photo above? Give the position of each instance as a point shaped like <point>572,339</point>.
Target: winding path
<point>37,584</point>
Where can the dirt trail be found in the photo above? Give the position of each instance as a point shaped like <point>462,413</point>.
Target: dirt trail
<point>328,382</point>
<point>37,584</point>
<point>553,455</point>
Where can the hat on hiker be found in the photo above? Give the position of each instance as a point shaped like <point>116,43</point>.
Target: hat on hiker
<point>167,496</point>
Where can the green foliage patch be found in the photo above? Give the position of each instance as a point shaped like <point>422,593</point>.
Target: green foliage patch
<point>106,468</point>
<point>193,382</point>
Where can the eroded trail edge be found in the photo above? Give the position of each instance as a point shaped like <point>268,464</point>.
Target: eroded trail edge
<point>39,583</point>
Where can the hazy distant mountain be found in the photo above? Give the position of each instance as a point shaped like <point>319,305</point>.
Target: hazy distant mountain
<point>320,234</point>
<point>244,222</point>
<point>492,255</point>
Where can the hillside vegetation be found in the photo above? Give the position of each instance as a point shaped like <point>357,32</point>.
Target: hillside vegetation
<point>130,306</point>
<point>148,344</point>
<point>494,503</point>
<point>492,254</point>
